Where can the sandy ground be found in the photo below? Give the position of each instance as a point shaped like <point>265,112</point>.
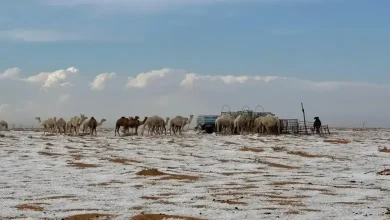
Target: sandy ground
<point>195,176</point>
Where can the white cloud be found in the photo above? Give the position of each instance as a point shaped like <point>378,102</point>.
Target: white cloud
<point>100,81</point>
<point>11,73</point>
<point>170,92</point>
<point>52,79</point>
<point>144,79</point>
<point>30,35</point>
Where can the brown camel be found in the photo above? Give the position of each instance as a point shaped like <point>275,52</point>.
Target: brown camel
<point>135,123</point>
<point>92,124</point>
<point>122,122</point>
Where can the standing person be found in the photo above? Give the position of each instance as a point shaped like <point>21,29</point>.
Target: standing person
<point>317,125</point>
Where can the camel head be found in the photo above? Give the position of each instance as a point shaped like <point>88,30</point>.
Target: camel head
<point>136,118</point>
<point>103,120</point>
<point>38,118</point>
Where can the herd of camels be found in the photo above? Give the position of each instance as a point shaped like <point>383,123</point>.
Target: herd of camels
<point>157,125</point>
<point>82,123</point>
<point>249,123</point>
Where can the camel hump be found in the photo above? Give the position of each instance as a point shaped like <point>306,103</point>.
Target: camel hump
<point>92,118</point>
<point>123,117</point>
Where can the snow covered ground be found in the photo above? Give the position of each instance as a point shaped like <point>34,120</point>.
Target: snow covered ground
<point>195,176</point>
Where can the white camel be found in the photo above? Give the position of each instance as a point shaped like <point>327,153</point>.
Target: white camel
<point>258,125</point>
<point>4,124</point>
<point>224,122</point>
<point>270,121</point>
<point>178,123</point>
<point>75,122</point>
<point>60,124</point>
<point>240,123</point>
<point>162,126</point>
<point>151,122</point>
<point>48,125</point>
<point>187,121</point>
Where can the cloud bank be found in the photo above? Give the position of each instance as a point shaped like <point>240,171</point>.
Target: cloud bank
<point>170,92</point>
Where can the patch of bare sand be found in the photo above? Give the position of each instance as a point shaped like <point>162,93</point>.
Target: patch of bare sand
<point>252,149</point>
<point>76,210</point>
<point>82,165</point>
<point>385,172</point>
<point>58,197</point>
<point>106,183</point>
<point>282,183</point>
<point>345,187</point>
<point>384,150</point>
<point>91,216</point>
<point>77,156</point>
<point>32,207</point>
<point>314,189</point>
<point>351,203</point>
<point>125,161</point>
<point>337,141</point>
<point>137,208</point>
<point>292,212</point>
<point>309,155</point>
<point>310,210</point>
<point>278,149</point>
<point>286,202</point>
<point>166,176</point>
<point>162,217</point>
<point>230,202</point>
<point>270,208</point>
<point>282,197</point>
<point>49,154</point>
<point>151,197</point>
<point>277,165</point>
<point>240,173</point>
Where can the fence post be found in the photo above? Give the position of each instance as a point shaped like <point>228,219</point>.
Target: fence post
<point>304,118</point>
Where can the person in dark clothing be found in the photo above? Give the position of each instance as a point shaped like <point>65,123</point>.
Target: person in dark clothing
<point>317,125</point>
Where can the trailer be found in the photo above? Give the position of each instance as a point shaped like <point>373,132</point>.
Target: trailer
<point>206,123</point>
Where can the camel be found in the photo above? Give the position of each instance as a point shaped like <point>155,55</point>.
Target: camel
<point>92,124</point>
<point>84,126</point>
<point>225,122</point>
<point>4,124</point>
<point>122,122</point>
<point>154,121</point>
<point>250,123</point>
<point>240,123</point>
<point>269,121</point>
<point>101,122</point>
<point>179,122</point>
<point>161,126</point>
<point>75,123</point>
<point>60,124</point>
<point>48,125</point>
<point>274,129</point>
<point>258,126</point>
<point>134,123</point>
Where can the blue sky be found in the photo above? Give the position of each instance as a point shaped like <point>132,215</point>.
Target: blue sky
<point>316,40</point>
<point>311,39</point>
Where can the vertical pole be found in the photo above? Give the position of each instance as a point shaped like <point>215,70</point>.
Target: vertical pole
<point>304,118</point>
